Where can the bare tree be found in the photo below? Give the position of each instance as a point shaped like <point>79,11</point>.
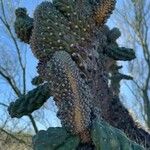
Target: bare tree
<point>12,67</point>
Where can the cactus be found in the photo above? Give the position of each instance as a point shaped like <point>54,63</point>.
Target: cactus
<point>115,52</point>
<point>114,34</point>
<point>72,95</point>
<point>114,110</point>
<point>48,140</point>
<point>37,81</point>
<point>120,53</point>
<point>104,137</point>
<point>23,25</point>
<point>32,101</point>
<point>76,52</point>
<point>103,11</point>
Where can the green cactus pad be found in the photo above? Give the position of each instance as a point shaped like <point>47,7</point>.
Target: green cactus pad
<point>120,53</point>
<point>106,137</point>
<point>55,139</point>
<point>30,102</point>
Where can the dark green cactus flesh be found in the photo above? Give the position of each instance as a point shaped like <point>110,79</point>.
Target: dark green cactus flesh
<point>32,101</point>
<point>37,81</point>
<point>23,25</point>
<point>63,25</point>
<point>114,34</point>
<point>21,12</point>
<point>55,139</point>
<point>105,137</point>
<point>120,53</point>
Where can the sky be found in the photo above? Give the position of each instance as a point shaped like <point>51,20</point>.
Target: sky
<point>32,63</point>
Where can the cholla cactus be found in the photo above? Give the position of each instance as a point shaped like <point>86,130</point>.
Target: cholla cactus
<point>65,26</point>
<point>74,48</point>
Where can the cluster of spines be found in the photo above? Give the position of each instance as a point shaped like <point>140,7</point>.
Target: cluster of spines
<point>77,13</point>
<point>71,93</point>
<point>103,11</point>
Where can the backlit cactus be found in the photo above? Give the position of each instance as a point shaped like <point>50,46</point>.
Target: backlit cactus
<point>76,52</point>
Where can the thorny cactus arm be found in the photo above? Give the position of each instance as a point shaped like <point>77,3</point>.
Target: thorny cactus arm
<point>120,53</point>
<point>23,25</point>
<point>115,52</point>
<point>32,101</point>
<point>120,76</point>
<point>71,94</point>
<point>67,25</point>
<point>113,110</point>
<point>115,78</point>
